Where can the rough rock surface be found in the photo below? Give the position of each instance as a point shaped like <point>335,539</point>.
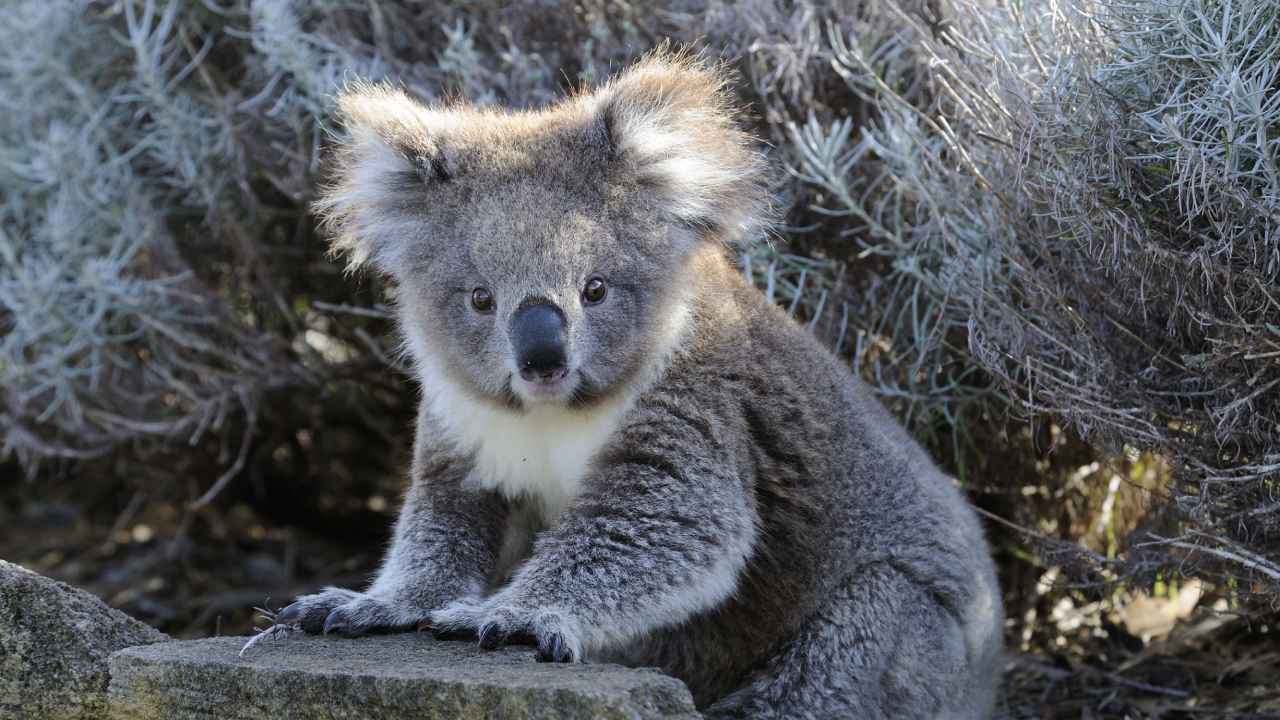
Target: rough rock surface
<point>388,676</point>
<point>54,645</point>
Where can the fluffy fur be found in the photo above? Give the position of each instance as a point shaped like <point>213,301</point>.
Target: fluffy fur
<point>710,491</point>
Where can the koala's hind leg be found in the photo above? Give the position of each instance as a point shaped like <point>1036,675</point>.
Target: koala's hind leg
<point>881,647</point>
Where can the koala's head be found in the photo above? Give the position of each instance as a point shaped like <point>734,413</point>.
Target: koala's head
<point>543,256</point>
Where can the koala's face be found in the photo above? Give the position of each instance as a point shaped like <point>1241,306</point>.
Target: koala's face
<point>547,292</point>
<point>542,257</point>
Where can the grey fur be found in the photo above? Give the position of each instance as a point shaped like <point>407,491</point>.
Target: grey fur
<point>749,518</point>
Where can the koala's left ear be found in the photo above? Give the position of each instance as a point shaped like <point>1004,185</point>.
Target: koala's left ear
<point>670,120</point>
<point>393,146</point>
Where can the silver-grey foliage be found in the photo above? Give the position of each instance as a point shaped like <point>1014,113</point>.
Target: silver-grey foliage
<point>108,154</point>
<point>1093,203</point>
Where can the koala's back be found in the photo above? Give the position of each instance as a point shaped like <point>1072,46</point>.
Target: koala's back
<point>849,509</point>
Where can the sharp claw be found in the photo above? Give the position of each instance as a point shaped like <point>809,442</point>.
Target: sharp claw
<point>333,622</point>
<point>552,649</point>
<point>491,637</point>
<point>289,614</point>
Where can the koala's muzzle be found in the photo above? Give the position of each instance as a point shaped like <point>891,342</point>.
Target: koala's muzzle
<point>538,338</point>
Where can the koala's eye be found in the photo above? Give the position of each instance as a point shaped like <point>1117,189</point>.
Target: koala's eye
<point>482,300</point>
<point>594,291</point>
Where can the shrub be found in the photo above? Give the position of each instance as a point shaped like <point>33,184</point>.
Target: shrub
<point>1089,211</point>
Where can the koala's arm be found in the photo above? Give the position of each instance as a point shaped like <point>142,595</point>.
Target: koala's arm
<point>662,530</point>
<point>446,540</point>
<point>443,548</point>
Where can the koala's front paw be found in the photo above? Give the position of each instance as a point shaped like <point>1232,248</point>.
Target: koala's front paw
<point>348,613</point>
<point>499,622</point>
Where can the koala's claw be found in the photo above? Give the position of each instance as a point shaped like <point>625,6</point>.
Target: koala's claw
<point>494,636</point>
<point>340,621</point>
<point>496,623</point>
<point>491,637</point>
<point>552,648</point>
<point>347,613</point>
<point>310,611</point>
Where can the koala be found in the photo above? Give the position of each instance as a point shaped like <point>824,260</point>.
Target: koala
<point>624,452</point>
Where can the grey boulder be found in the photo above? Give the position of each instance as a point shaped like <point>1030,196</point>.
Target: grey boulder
<point>54,645</point>
<point>389,676</point>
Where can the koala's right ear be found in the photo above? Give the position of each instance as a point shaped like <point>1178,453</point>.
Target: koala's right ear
<point>671,121</point>
<point>392,146</point>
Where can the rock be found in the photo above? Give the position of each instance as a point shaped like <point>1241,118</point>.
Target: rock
<point>386,676</point>
<point>54,645</point>
<point>59,645</point>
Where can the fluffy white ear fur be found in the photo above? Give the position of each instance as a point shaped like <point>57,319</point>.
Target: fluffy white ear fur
<point>669,120</point>
<point>670,117</point>
<point>391,142</point>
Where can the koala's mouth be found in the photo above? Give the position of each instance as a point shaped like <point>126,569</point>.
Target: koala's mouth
<point>575,390</point>
<point>558,390</point>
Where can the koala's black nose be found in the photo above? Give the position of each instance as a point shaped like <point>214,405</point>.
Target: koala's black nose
<point>538,338</point>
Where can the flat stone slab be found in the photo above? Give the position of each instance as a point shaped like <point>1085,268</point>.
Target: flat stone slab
<point>54,645</point>
<point>387,677</point>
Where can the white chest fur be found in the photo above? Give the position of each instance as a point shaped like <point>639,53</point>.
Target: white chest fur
<point>545,452</point>
<point>542,453</point>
